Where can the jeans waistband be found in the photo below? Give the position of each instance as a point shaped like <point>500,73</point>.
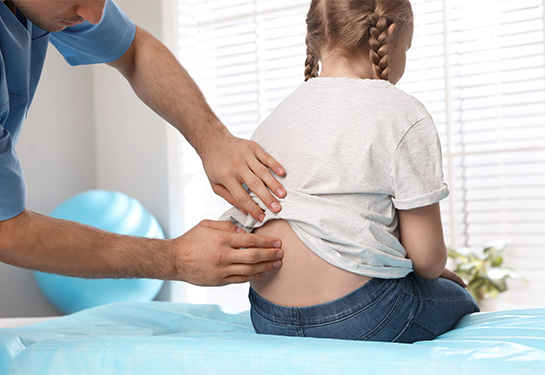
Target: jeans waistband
<point>363,297</point>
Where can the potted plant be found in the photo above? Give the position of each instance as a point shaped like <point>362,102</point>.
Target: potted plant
<point>483,270</point>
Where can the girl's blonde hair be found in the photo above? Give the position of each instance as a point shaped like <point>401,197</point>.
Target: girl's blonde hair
<point>353,25</point>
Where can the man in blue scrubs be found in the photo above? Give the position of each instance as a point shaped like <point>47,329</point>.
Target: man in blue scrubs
<point>97,31</point>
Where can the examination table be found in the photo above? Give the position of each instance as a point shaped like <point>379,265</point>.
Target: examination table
<point>163,338</point>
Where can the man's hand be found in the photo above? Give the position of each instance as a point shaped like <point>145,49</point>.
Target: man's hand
<point>232,161</point>
<point>215,253</point>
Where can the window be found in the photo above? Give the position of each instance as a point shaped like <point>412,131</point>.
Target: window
<point>479,67</point>
<point>246,56</point>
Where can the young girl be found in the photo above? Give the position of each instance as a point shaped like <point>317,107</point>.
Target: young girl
<point>360,226</point>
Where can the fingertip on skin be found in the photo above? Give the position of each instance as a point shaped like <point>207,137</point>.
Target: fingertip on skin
<point>258,276</point>
<point>277,264</point>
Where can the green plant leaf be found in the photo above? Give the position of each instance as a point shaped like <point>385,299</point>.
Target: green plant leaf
<point>498,285</point>
<point>496,261</point>
<point>457,256</point>
<point>496,247</point>
<point>482,269</point>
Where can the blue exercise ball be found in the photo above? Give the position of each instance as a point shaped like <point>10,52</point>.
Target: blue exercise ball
<point>114,212</point>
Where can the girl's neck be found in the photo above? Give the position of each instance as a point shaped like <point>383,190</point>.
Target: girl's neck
<point>338,64</point>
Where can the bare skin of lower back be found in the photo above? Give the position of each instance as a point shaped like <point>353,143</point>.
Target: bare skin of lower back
<point>305,279</point>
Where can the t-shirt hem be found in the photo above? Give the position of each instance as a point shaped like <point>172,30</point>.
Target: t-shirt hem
<point>380,272</point>
<point>397,269</point>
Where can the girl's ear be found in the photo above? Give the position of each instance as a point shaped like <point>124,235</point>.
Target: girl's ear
<point>391,29</point>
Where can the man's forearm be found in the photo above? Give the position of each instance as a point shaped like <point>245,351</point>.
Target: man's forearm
<point>42,243</point>
<point>165,86</point>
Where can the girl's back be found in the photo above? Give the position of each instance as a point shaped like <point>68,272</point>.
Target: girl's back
<point>340,141</point>
<point>364,173</point>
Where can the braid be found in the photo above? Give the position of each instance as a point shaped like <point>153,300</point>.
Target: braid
<point>378,43</point>
<point>353,27</point>
<point>311,66</point>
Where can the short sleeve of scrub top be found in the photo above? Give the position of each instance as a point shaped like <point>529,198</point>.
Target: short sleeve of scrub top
<point>20,53</point>
<point>102,43</point>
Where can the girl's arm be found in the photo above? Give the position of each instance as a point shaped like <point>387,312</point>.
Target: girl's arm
<point>422,237</point>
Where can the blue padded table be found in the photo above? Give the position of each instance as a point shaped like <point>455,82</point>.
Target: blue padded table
<point>166,338</point>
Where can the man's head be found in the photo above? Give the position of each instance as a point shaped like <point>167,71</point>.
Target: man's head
<point>56,15</point>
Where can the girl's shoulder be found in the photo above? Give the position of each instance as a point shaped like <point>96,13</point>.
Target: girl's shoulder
<point>379,89</point>
<point>361,97</point>
<point>369,92</point>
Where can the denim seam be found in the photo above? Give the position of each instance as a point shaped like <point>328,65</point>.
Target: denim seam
<point>439,299</point>
<point>299,326</point>
<point>18,95</point>
<point>419,300</point>
<point>272,322</point>
<point>348,316</point>
<point>407,325</point>
<point>383,322</point>
<point>413,322</point>
<point>408,292</point>
<point>424,327</point>
<point>262,313</point>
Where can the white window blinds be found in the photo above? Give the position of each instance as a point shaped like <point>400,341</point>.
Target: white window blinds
<point>479,68</point>
<point>246,56</point>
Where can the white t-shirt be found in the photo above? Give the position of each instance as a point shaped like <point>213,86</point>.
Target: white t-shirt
<point>354,151</point>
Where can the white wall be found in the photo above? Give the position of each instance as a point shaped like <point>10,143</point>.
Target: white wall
<point>131,140</point>
<point>87,130</point>
<point>56,149</point>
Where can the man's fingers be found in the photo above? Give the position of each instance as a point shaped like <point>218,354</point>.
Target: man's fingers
<point>238,279</point>
<point>245,202</point>
<point>245,248</point>
<point>252,266</point>
<point>236,162</point>
<point>256,248</point>
<point>254,269</point>
<point>225,226</point>
<point>260,181</point>
<point>261,170</point>
<point>265,182</point>
<point>271,163</point>
<point>224,193</point>
<point>256,185</point>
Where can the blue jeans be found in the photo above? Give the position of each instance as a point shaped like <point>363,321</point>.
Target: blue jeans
<point>392,310</point>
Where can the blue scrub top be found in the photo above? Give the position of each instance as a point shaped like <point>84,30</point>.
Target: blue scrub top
<point>23,48</point>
